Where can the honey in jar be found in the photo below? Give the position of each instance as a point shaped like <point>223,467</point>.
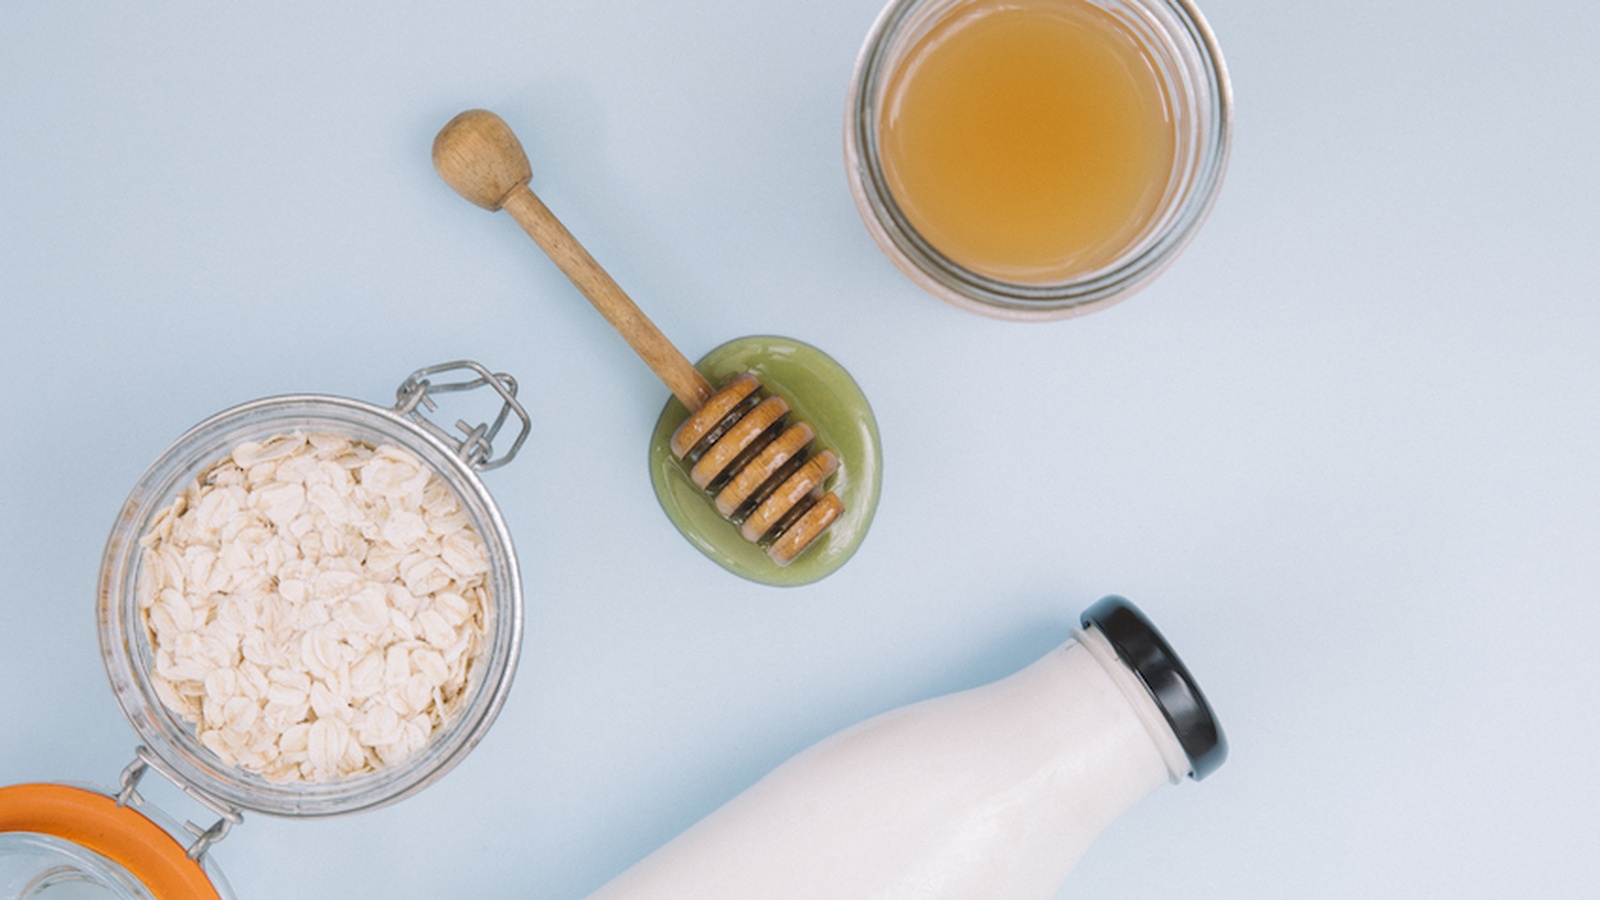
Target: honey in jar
<point>1029,143</point>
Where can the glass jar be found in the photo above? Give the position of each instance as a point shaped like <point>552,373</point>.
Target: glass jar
<point>35,865</point>
<point>70,842</point>
<point>104,838</point>
<point>1182,54</point>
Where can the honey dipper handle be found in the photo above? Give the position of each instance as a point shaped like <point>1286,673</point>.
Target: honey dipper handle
<point>479,156</point>
<point>664,359</point>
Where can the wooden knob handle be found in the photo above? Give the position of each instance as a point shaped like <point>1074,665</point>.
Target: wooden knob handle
<point>479,156</point>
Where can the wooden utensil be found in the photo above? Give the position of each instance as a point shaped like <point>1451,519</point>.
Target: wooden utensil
<point>738,443</point>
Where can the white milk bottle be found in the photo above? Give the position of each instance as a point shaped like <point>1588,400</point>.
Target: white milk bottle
<point>988,794</point>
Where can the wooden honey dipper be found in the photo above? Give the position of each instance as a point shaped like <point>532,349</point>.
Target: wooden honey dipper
<point>738,443</point>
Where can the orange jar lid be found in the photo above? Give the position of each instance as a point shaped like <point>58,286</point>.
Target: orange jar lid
<point>120,834</point>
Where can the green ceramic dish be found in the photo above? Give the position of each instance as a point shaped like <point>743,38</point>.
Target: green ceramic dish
<point>820,392</point>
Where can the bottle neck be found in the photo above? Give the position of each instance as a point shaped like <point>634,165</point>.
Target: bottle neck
<point>1139,699</point>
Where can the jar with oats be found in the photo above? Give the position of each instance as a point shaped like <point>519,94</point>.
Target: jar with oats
<point>308,605</point>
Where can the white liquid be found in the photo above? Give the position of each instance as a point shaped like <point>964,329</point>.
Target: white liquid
<point>989,793</point>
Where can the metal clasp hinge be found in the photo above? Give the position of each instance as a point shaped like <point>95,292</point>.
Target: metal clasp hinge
<point>204,838</point>
<point>475,444</point>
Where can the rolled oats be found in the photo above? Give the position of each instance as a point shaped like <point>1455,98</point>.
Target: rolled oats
<point>315,605</point>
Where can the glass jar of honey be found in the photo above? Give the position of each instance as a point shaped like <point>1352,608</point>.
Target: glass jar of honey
<point>1037,159</point>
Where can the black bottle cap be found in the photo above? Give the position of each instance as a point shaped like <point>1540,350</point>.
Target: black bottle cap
<point>1147,653</point>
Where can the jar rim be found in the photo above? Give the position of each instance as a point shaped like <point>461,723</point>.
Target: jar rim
<point>87,832</point>
<point>1182,31</point>
<point>125,649</point>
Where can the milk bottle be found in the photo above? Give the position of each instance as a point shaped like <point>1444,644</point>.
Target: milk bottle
<point>988,794</point>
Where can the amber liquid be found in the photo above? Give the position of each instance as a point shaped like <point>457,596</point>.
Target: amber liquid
<point>1030,142</point>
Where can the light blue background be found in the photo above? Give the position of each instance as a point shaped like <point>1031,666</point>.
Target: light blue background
<point>1346,453</point>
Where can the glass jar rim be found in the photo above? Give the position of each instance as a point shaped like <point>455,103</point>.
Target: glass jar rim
<point>125,650</point>
<point>80,832</point>
<point>1183,31</point>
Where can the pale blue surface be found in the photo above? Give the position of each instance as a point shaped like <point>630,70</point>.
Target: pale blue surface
<point>1346,452</point>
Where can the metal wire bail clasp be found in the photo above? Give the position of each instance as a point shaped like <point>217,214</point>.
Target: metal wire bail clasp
<point>128,795</point>
<point>475,443</point>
